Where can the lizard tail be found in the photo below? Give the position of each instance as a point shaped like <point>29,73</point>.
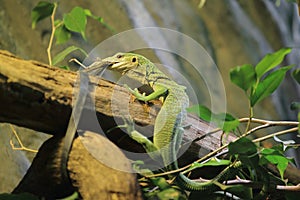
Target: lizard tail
<point>211,185</point>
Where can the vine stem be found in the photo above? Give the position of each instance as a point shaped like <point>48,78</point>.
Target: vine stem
<point>250,118</point>
<point>52,34</point>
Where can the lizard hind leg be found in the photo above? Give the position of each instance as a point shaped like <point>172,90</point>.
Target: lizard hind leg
<point>148,145</point>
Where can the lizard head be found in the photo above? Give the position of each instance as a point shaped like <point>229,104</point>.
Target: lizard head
<point>123,62</point>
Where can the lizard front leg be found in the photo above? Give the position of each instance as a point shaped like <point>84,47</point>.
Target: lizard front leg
<point>158,92</point>
<point>149,146</point>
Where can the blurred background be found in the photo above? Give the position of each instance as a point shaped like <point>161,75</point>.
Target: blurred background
<point>232,32</point>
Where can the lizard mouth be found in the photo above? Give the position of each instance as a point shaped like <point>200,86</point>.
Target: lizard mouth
<point>119,66</point>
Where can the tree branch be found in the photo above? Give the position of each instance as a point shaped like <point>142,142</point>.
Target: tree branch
<point>39,97</point>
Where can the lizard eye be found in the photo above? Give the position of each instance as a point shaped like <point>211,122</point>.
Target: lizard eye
<point>133,59</point>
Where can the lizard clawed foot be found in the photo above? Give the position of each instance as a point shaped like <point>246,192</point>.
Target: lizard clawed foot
<point>135,92</point>
<point>128,124</point>
<point>138,137</point>
<point>137,95</point>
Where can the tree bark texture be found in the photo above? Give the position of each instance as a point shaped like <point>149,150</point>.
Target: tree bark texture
<point>39,97</point>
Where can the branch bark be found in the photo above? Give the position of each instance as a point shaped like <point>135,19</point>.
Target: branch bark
<point>39,97</point>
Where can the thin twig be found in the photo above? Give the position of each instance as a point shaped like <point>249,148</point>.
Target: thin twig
<point>258,185</point>
<point>204,158</point>
<point>207,134</point>
<point>275,134</point>
<point>256,129</point>
<point>22,147</point>
<point>77,62</point>
<point>52,34</point>
<point>293,188</point>
<point>274,123</point>
<point>250,118</point>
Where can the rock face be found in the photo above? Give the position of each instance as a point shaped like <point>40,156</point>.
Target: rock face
<point>233,33</point>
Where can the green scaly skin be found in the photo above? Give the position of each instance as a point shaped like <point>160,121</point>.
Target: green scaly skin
<point>168,127</point>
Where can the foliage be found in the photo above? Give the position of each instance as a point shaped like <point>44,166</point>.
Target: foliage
<point>224,121</point>
<point>258,82</point>
<point>296,75</point>
<point>59,57</point>
<point>41,11</point>
<point>62,29</point>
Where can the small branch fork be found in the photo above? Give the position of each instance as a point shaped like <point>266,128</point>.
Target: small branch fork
<point>52,34</point>
<point>238,181</point>
<point>53,29</point>
<point>22,147</point>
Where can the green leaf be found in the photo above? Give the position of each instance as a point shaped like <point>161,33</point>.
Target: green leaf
<point>295,106</point>
<point>89,14</point>
<point>275,157</point>
<point>99,19</point>
<point>270,61</point>
<point>243,76</point>
<point>62,35</point>
<point>76,21</point>
<point>42,10</point>
<point>59,57</point>
<point>226,122</point>
<point>201,111</point>
<point>160,182</point>
<point>242,146</point>
<point>245,150</point>
<point>64,67</point>
<point>296,75</point>
<point>268,85</point>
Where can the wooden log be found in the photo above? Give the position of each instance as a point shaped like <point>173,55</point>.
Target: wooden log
<point>39,97</point>
<point>91,178</point>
